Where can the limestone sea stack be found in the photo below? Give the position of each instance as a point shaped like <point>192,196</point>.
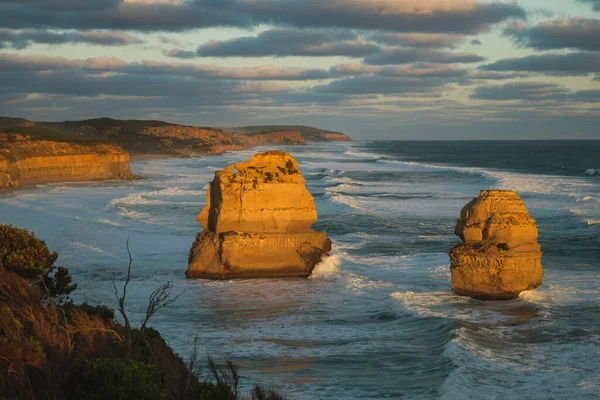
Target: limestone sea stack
<point>257,223</point>
<point>500,256</point>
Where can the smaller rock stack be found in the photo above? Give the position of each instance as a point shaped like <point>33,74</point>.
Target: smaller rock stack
<point>500,256</point>
<point>257,223</point>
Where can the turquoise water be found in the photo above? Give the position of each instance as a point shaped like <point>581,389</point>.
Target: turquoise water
<point>378,319</point>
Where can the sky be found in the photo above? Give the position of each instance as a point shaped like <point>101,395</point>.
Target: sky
<point>375,69</point>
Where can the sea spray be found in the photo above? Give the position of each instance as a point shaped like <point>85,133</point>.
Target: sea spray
<point>327,269</point>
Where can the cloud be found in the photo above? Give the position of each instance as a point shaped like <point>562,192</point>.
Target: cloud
<point>595,4</point>
<point>476,42</point>
<point>383,85</point>
<point>180,53</point>
<point>406,71</point>
<point>436,16</point>
<point>495,76</point>
<point>459,16</point>
<point>401,55</point>
<point>117,14</point>
<point>574,33</point>
<point>20,39</point>
<point>291,42</point>
<point>537,91</point>
<point>425,40</point>
<point>12,63</point>
<point>573,63</point>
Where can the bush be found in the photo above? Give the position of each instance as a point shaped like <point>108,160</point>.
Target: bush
<point>29,257</point>
<point>114,379</point>
<point>106,313</point>
<point>23,253</point>
<point>258,393</point>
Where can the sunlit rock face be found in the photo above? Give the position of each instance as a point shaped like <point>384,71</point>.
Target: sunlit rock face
<point>500,256</point>
<point>25,161</point>
<point>257,223</point>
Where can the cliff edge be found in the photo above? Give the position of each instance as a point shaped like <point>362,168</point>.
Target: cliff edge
<point>500,256</point>
<point>25,159</point>
<point>257,223</point>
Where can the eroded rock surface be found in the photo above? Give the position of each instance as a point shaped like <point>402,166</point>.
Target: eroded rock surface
<point>257,223</point>
<point>25,160</point>
<point>500,256</point>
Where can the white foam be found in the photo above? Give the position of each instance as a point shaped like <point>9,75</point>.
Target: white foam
<point>592,171</point>
<point>108,222</point>
<point>363,154</point>
<point>95,249</point>
<point>135,199</point>
<point>437,304</point>
<point>327,269</point>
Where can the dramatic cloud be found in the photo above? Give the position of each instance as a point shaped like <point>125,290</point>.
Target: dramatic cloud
<point>573,63</point>
<point>383,85</point>
<point>10,63</point>
<point>536,92</point>
<point>400,55</point>
<point>460,16</point>
<point>407,71</point>
<point>427,40</point>
<point>519,91</point>
<point>291,42</point>
<point>20,39</point>
<point>575,33</point>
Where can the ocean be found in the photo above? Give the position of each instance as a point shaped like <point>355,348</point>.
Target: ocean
<point>378,319</point>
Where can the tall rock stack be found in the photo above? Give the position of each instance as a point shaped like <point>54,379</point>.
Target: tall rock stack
<point>500,256</point>
<point>257,223</point>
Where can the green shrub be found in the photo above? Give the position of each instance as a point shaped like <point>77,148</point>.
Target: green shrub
<point>114,379</point>
<point>29,257</point>
<point>106,313</point>
<point>22,252</point>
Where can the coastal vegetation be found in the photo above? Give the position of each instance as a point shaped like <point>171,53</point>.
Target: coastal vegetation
<point>52,348</point>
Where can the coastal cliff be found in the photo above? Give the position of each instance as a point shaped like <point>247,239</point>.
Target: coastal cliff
<point>309,133</point>
<point>500,256</point>
<point>26,160</point>
<point>138,137</point>
<point>257,223</point>
<point>99,149</point>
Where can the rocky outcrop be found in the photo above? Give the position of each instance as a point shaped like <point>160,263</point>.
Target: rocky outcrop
<point>257,223</point>
<point>24,160</point>
<point>499,257</point>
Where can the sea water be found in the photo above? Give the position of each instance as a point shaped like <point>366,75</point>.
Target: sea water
<point>377,319</point>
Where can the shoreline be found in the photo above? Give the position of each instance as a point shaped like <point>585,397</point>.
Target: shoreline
<point>138,157</point>
<point>34,185</point>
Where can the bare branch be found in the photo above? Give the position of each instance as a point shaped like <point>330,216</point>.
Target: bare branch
<point>121,302</point>
<point>159,299</point>
<point>121,299</point>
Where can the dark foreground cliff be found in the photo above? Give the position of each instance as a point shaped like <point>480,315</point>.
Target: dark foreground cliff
<point>51,348</point>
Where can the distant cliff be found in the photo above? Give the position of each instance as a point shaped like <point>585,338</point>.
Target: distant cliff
<point>97,149</point>
<point>26,159</point>
<point>310,134</point>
